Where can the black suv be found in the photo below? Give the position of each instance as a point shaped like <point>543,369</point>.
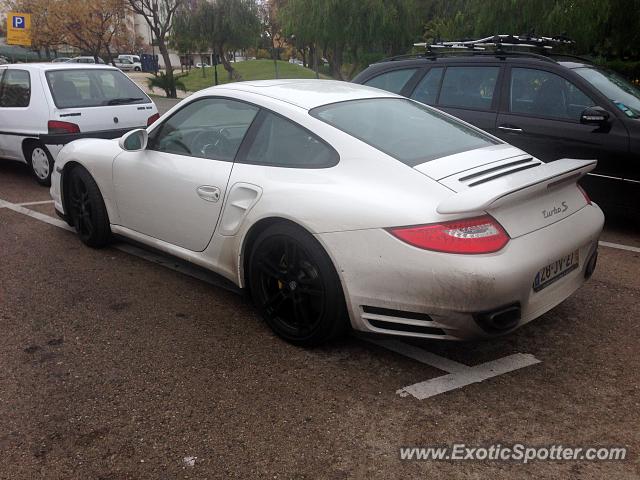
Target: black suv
<point>551,108</point>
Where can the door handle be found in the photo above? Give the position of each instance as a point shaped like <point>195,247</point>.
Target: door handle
<point>208,193</point>
<point>510,129</point>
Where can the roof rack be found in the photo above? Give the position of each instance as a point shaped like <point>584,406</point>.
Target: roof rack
<point>499,41</point>
<point>491,46</point>
<point>429,55</point>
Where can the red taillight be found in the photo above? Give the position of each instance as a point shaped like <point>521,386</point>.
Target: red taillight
<point>152,118</point>
<point>586,195</point>
<point>470,235</point>
<point>56,126</point>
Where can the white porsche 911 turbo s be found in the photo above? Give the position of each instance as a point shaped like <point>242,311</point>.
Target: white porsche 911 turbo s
<point>336,204</point>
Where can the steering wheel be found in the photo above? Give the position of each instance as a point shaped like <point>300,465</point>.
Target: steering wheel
<point>213,144</point>
<point>171,141</point>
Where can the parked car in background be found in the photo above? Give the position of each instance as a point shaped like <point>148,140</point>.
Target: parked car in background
<point>46,105</point>
<point>339,205</point>
<point>550,106</point>
<point>85,59</point>
<point>60,59</point>
<point>131,58</point>
<point>202,65</point>
<point>3,60</point>
<point>127,65</point>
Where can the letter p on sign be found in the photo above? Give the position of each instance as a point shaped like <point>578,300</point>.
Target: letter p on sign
<point>18,22</point>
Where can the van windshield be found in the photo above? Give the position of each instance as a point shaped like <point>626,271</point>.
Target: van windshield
<point>93,87</point>
<point>622,93</point>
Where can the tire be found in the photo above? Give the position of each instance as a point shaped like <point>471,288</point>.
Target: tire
<point>40,162</point>
<point>86,208</point>
<point>137,69</point>
<point>303,303</point>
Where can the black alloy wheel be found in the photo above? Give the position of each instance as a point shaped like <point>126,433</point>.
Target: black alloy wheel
<point>87,210</point>
<point>295,287</point>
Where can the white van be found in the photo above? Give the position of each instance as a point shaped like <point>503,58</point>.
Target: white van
<point>131,58</point>
<point>46,105</point>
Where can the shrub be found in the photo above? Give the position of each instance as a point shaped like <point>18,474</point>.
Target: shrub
<point>167,84</point>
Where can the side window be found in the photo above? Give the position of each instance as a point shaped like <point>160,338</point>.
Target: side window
<point>392,81</point>
<point>16,89</point>
<point>281,143</point>
<point>537,92</point>
<point>469,87</point>
<point>208,128</point>
<point>427,89</point>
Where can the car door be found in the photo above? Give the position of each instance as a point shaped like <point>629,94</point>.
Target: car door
<point>174,189</point>
<point>540,113</point>
<point>469,92</point>
<point>18,116</point>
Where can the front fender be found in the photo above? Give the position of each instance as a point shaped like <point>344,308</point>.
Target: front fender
<point>94,155</point>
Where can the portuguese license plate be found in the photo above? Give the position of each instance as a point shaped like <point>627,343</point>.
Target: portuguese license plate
<point>556,270</point>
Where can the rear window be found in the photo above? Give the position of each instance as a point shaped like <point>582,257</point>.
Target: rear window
<point>393,81</point>
<point>76,88</point>
<point>403,129</point>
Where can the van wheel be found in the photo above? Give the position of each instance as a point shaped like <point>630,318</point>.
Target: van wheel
<point>137,69</point>
<point>40,161</point>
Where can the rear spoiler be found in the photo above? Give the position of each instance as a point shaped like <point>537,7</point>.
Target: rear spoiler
<point>517,185</point>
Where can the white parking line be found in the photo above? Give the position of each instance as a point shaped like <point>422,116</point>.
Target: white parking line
<point>37,215</point>
<point>459,375</point>
<point>418,354</point>
<point>42,202</point>
<point>165,261</point>
<point>619,246</point>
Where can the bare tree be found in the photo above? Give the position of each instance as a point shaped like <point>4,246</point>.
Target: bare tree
<point>159,16</point>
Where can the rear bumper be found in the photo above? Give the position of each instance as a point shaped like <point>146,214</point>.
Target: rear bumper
<point>393,288</point>
<point>64,138</point>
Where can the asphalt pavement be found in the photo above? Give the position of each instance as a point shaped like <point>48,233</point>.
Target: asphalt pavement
<point>114,365</point>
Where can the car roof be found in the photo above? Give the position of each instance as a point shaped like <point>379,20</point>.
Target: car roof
<point>483,58</point>
<point>304,93</point>
<point>565,61</point>
<point>58,66</point>
<point>573,64</point>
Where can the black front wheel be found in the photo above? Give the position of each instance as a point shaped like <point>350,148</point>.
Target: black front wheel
<point>295,286</point>
<point>87,210</point>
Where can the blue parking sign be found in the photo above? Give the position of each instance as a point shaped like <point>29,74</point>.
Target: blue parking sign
<point>18,22</point>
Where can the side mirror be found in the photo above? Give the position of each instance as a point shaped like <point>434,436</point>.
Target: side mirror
<point>594,116</point>
<point>134,141</point>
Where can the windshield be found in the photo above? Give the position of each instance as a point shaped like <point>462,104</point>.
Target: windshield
<point>403,129</point>
<point>93,87</point>
<point>621,92</point>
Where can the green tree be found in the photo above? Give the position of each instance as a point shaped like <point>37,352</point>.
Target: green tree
<point>159,16</point>
<point>346,29</point>
<point>608,28</point>
<point>227,25</point>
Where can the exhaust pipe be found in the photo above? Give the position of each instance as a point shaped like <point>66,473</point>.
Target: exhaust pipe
<point>499,320</point>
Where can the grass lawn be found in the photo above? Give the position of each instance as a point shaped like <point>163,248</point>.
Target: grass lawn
<point>250,70</point>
